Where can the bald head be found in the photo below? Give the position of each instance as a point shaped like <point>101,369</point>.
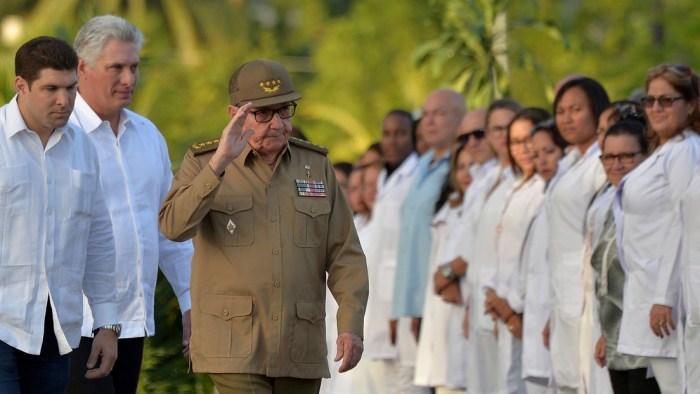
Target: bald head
<point>475,119</point>
<point>476,145</point>
<point>565,80</point>
<point>442,114</point>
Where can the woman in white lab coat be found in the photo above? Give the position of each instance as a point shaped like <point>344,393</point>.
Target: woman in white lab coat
<point>529,284</point>
<point>432,358</point>
<point>522,201</point>
<point>625,146</point>
<point>649,227</point>
<point>482,364</point>
<point>577,108</point>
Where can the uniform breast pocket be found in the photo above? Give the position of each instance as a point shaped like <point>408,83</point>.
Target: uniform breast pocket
<point>310,221</point>
<point>227,326</point>
<point>14,190</point>
<point>233,220</point>
<point>15,281</point>
<point>83,187</point>
<point>309,337</point>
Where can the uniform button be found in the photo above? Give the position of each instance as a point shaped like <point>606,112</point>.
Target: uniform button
<point>48,242</point>
<point>48,212</point>
<point>138,262</point>
<point>208,185</point>
<point>277,284</point>
<point>225,312</point>
<point>272,184</point>
<point>230,207</point>
<point>274,317</point>
<point>313,209</point>
<point>274,218</point>
<point>275,251</point>
<point>48,181</point>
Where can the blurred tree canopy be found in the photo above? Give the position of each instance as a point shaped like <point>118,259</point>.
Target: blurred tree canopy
<point>352,61</point>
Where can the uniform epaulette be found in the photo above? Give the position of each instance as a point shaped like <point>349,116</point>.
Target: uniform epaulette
<point>204,147</point>
<point>308,145</point>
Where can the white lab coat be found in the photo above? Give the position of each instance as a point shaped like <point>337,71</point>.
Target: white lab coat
<point>568,197</point>
<point>521,203</point>
<point>482,364</point>
<point>431,360</point>
<point>690,266</point>
<point>649,231</point>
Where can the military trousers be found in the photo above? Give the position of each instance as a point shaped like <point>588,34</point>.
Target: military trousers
<point>248,383</point>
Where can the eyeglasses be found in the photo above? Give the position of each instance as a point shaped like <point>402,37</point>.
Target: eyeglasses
<point>520,144</point>
<point>477,134</point>
<point>625,158</point>
<point>497,130</point>
<point>266,115</point>
<point>664,102</point>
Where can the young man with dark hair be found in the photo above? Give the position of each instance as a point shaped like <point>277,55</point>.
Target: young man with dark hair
<point>56,238</point>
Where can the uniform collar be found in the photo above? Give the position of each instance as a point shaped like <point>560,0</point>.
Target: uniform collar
<point>89,120</point>
<point>248,151</point>
<point>15,122</point>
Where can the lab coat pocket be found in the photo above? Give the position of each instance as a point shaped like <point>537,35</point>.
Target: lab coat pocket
<point>569,290</point>
<point>14,190</point>
<point>694,291</point>
<point>15,281</point>
<point>227,325</point>
<point>83,189</point>
<point>309,337</point>
<point>310,221</point>
<point>71,296</point>
<point>233,220</point>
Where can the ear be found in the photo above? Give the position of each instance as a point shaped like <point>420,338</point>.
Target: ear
<point>21,86</point>
<point>232,110</point>
<point>83,68</point>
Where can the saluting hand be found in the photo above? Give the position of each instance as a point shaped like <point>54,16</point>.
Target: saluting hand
<point>232,142</point>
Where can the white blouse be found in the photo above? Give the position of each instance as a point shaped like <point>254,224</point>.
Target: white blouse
<point>648,237</point>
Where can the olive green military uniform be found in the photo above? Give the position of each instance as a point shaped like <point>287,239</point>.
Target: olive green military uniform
<point>264,240</point>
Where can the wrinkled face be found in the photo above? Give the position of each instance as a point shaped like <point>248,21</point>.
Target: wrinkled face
<point>355,191</point>
<point>440,120</point>
<point>604,123</point>
<point>667,121</point>
<point>496,133</point>
<point>477,146</point>
<point>626,146</point>
<point>545,155</point>
<point>270,137</point>
<point>462,174</point>
<point>48,103</point>
<point>109,86</point>
<point>521,145</point>
<point>369,185</point>
<point>574,117</point>
<point>397,142</point>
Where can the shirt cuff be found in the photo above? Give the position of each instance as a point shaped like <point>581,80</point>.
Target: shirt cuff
<point>206,181</point>
<point>185,302</point>
<point>104,314</point>
<point>351,322</point>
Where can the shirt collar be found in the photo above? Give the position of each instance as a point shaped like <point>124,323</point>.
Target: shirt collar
<point>89,120</point>
<point>248,150</point>
<point>16,123</point>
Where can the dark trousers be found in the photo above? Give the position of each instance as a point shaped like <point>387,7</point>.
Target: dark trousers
<point>248,383</point>
<point>124,378</point>
<point>25,373</point>
<point>633,381</point>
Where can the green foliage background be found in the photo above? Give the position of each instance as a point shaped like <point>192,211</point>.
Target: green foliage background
<point>353,61</point>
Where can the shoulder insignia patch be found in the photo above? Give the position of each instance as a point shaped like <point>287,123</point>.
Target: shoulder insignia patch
<point>308,145</point>
<point>204,147</point>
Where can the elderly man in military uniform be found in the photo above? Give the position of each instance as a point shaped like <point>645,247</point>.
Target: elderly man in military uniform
<point>268,220</point>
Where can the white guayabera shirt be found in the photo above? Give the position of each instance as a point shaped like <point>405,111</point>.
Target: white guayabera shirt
<point>56,237</point>
<point>136,175</point>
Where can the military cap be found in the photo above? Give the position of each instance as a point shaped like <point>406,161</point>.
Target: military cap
<point>263,82</point>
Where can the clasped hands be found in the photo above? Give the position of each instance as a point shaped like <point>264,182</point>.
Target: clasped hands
<point>498,308</point>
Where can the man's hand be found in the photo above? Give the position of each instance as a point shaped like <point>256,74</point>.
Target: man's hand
<point>452,294</point>
<point>105,345</point>
<point>600,352</point>
<point>233,141</point>
<point>393,327</point>
<point>440,281</point>
<point>660,319</point>
<point>350,349</point>
<point>545,335</point>
<point>186,332</point>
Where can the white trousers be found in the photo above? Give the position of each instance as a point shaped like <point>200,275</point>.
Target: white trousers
<point>667,374</point>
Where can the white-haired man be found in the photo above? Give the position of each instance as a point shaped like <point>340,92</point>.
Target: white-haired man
<point>135,175</point>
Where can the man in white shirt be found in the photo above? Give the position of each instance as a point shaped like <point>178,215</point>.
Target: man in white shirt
<point>56,237</point>
<point>136,176</point>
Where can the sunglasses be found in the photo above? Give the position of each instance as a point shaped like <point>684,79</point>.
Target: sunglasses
<point>478,134</point>
<point>664,102</point>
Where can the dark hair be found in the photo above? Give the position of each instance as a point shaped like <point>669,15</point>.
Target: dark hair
<point>598,98</point>
<point>44,52</point>
<point>632,127</point>
<point>449,185</point>
<point>344,167</point>
<point>535,116</point>
<point>404,115</point>
<point>505,103</point>
<point>377,147</point>
<point>414,131</point>
<point>550,127</point>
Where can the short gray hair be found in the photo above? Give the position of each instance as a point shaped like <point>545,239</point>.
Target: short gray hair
<point>93,36</point>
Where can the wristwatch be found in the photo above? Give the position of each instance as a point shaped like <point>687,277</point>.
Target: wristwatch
<point>117,328</point>
<point>447,271</point>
